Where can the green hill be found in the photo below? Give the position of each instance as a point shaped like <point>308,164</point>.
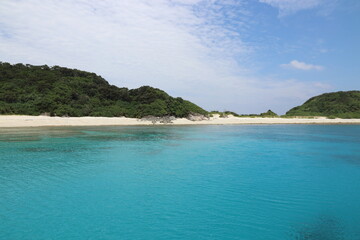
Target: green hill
<point>336,104</point>
<point>33,90</point>
<point>269,113</point>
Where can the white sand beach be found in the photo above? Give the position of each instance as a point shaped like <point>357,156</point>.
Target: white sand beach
<point>41,121</point>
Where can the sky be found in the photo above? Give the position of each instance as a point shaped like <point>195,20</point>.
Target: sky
<point>246,56</point>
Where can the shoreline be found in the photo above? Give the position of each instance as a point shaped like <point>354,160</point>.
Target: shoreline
<point>18,121</point>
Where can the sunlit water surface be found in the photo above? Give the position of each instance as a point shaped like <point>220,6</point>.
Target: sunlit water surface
<point>208,182</point>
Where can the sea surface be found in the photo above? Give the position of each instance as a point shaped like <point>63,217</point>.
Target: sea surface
<point>249,182</point>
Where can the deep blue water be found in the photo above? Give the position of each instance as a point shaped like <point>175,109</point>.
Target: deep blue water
<point>207,182</point>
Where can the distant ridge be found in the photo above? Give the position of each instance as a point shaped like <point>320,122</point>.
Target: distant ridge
<point>59,91</point>
<point>337,104</point>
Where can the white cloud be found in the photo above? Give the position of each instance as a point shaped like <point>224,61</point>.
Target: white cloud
<point>287,7</point>
<point>185,47</point>
<point>302,66</point>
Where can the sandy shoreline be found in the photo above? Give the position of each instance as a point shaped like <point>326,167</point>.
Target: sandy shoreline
<point>7,121</point>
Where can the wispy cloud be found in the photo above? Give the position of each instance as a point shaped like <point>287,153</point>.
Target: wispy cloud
<point>287,7</point>
<point>190,48</point>
<point>302,66</point>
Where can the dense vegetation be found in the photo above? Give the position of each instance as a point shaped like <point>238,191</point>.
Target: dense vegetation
<point>269,113</point>
<point>337,104</point>
<point>34,90</point>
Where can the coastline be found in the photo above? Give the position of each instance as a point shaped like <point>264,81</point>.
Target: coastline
<point>17,121</point>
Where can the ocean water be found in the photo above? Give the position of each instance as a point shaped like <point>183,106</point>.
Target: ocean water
<point>246,182</point>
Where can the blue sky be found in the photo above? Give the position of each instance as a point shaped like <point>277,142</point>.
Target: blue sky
<point>245,56</point>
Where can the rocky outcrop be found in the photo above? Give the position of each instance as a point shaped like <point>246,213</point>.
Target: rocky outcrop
<point>154,120</point>
<point>197,117</point>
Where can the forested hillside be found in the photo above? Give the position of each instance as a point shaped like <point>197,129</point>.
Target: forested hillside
<point>59,91</point>
<point>336,104</point>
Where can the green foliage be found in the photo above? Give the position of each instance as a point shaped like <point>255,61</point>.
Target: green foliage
<point>33,90</point>
<point>231,113</point>
<point>224,114</point>
<point>334,105</point>
<point>269,113</point>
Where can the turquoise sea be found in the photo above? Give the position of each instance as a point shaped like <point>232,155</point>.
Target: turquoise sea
<point>250,182</point>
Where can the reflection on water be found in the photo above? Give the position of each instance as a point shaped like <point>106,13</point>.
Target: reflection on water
<point>132,134</point>
<point>89,133</point>
<point>35,134</point>
<point>40,149</point>
<point>64,149</point>
<point>121,136</point>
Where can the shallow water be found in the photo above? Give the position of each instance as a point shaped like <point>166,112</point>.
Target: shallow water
<point>196,182</point>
